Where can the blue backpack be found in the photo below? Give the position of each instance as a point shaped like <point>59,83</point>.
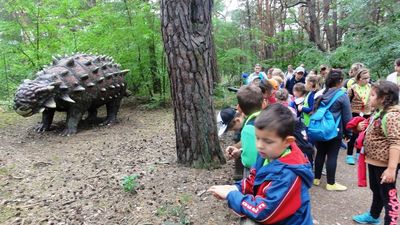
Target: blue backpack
<point>323,126</point>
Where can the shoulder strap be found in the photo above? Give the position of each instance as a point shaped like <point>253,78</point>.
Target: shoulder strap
<point>337,95</point>
<point>252,116</point>
<point>383,124</point>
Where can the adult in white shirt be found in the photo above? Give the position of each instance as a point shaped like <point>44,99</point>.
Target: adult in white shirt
<point>395,76</point>
<point>258,75</point>
<point>289,73</point>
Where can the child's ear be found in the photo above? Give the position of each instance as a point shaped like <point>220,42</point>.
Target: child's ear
<point>239,109</point>
<point>290,140</point>
<point>264,103</point>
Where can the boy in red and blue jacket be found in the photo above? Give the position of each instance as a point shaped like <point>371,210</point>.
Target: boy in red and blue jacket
<point>276,192</point>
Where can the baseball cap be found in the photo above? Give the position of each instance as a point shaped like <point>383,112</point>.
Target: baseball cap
<point>224,117</point>
<point>300,69</point>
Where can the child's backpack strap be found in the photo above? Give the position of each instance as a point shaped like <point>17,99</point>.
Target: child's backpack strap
<point>335,97</point>
<point>383,124</point>
<point>252,117</point>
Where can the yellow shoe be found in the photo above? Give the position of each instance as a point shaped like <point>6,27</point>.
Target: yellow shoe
<point>316,182</point>
<point>335,187</point>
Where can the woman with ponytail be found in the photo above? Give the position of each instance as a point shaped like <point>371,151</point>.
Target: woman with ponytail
<point>329,150</point>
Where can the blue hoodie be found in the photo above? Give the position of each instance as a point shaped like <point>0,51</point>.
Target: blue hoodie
<point>276,193</point>
<point>340,106</point>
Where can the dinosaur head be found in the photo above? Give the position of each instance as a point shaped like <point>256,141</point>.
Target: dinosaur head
<point>33,97</point>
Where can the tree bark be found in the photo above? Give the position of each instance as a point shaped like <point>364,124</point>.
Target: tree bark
<point>261,23</point>
<point>314,34</point>
<point>249,26</point>
<point>269,28</point>
<point>328,31</point>
<point>186,28</point>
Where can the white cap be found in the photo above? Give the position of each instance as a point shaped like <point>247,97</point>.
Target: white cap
<point>300,69</point>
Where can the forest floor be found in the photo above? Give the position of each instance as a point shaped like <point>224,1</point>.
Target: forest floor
<point>49,179</point>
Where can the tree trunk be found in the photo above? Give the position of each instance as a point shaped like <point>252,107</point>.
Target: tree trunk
<point>155,78</point>
<point>261,23</point>
<point>186,28</point>
<point>328,31</point>
<point>248,20</point>
<point>340,29</point>
<point>314,34</point>
<point>269,28</point>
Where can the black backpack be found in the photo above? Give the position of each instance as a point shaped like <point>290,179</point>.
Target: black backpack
<point>299,133</point>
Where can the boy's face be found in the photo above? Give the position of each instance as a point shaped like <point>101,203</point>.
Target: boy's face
<point>270,145</point>
<point>297,94</point>
<point>299,75</point>
<point>237,123</point>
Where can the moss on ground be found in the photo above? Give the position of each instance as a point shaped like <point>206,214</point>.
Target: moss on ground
<point>8,118</point>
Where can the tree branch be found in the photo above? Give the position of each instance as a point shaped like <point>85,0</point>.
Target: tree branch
<point>294,4</point>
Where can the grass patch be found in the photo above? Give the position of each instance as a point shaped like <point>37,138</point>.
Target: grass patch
<point>176,210</point>
<point>8,118</point>
<point>6,213</point>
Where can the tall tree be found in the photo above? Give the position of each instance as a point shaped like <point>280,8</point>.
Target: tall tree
<point>314,34</point>
<point>188,42</point>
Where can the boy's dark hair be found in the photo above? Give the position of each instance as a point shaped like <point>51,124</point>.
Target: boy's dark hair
<point>300,87</point>
<point>388,91</point>
<point>250,99</point>
<point>278,118</point>
<point>282,95</point>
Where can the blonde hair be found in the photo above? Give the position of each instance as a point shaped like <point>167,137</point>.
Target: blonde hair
<point>314,80</point>
<point>278,79</point>
<point>279,73</point>
<point>354,68</point>
<point>360,72</point>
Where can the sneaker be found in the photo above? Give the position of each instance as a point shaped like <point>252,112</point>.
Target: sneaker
<point>366,218</point>
<point>323,171</point>
<point>350,160</point>
<point>316,182</point>
<point>335,187</point>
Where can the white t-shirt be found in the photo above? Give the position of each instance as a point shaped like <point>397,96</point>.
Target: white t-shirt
<point>393,78</point>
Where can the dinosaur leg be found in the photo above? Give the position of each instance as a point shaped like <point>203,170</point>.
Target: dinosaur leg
<point>47,120</point>
<point>92,115</point>
<point>112,111</point>
<point>74,115</point>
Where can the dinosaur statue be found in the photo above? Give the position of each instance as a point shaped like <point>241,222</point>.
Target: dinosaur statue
<point>74,84</point>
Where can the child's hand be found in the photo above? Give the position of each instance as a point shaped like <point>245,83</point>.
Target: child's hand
<point>228,152</point>
<point>222,191</point>
<point>388,176</point>
<point>232,152</point>
<point>236,153</point>
<point>300,108</point>
<point>361,126</point>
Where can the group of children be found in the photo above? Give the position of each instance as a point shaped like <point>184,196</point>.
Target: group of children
<point>277,156</point>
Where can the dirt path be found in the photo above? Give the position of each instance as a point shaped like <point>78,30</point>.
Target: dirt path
<point>48,179</point>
